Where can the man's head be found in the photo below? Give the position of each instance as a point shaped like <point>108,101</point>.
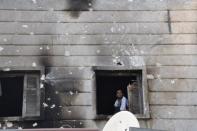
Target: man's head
<point>119,93</point>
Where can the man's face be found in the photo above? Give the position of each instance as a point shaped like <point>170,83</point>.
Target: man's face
<point>119,94</point>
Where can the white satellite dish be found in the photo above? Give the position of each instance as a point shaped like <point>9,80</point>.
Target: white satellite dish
<point>121,122</point>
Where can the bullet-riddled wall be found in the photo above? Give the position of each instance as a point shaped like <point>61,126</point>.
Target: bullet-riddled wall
<point>69,37</point>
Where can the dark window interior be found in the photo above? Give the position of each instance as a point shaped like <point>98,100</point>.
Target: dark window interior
<point>11,96</point>
<point>107,82</point>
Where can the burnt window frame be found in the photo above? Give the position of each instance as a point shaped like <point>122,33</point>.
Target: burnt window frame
<point>27,71</point>
<point>145,99</point>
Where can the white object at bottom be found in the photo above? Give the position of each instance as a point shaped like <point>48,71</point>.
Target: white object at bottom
<point>121,122</point>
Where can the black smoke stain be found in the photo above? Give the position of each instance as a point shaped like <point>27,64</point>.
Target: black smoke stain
<point>45,59</point>
<point>76,6</point>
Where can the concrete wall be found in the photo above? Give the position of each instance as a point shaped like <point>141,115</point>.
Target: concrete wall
<point>68,43</point>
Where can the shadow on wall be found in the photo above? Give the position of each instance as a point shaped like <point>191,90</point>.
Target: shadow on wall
<point>75,6</point>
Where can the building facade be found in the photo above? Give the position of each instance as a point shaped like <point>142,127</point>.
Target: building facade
<point>62,60</point>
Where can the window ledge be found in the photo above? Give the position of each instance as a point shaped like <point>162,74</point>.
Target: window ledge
<point>14,118</point>
<point>107,117</point>
<point>18,118</point>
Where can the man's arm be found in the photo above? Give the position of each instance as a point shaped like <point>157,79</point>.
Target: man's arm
<point>116,103</point>
<point>123,106</point>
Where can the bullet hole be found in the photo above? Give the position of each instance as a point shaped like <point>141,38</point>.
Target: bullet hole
<point>119,63</point>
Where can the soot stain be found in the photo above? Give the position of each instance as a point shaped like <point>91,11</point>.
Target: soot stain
<point>76,6</point>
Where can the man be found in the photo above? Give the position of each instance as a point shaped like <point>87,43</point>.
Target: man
<point>121,103</point>
<point>133,96</point>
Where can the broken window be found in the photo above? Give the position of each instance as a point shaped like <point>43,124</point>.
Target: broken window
<point>19,94</point>
<point>107,83</point>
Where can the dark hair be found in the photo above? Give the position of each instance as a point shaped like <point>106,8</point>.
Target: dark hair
<point>119,89</point>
